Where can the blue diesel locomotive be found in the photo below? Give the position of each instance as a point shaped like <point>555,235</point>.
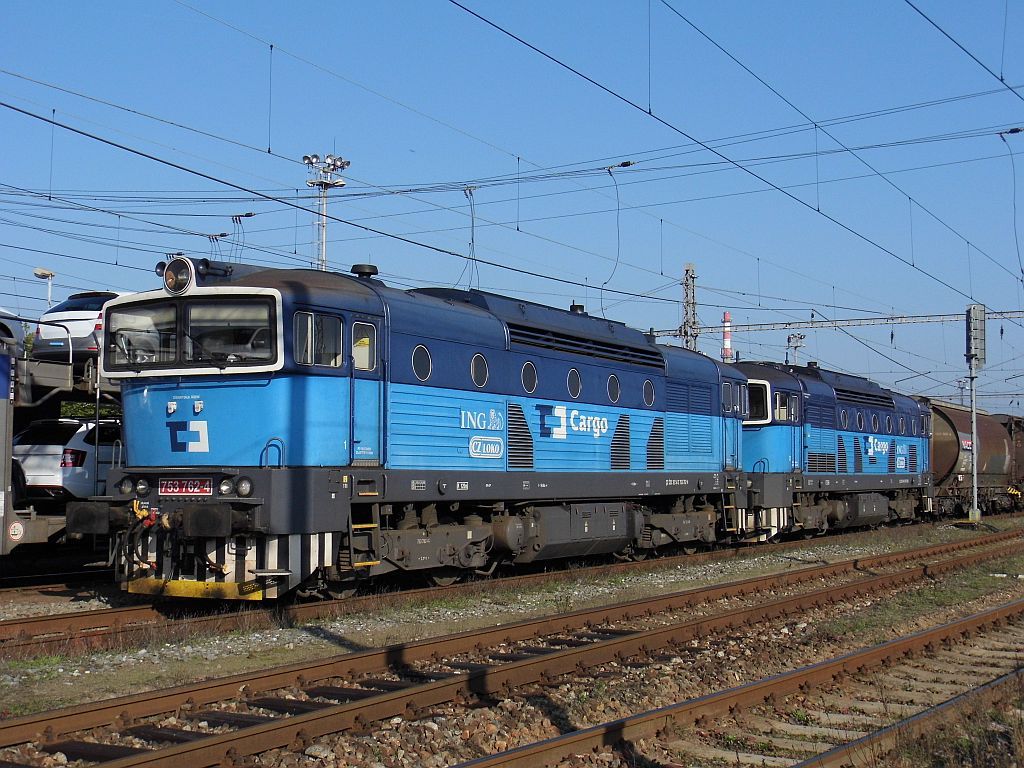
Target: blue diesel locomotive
<point>295,429</point>
<point>829,450</point>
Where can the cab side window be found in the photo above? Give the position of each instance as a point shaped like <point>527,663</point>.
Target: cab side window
<point>781,406</point>
<point>758,402</point>
<point>317,339</point>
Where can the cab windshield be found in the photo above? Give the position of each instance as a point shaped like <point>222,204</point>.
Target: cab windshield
<point>190,333</point>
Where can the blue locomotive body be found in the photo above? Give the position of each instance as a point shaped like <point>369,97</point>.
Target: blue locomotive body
<point>296,428</point>
<point>825,449</point>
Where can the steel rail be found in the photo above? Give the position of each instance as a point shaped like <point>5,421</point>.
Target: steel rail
<point>700,710</point>
<point>299,730</point>
<point>119,627</point>
<point>866,751</point>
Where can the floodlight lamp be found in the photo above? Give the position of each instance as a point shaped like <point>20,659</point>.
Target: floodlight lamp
<point>329,159</point>
<point>315,159</point>
<point>307,159</point>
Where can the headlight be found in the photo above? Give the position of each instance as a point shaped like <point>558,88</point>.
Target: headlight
<point>226,487</point>
<point>125,486</point>
<point>244,486</point>
<point>142,486</point>
<point>178,276</point>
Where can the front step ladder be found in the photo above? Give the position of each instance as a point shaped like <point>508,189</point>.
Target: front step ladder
<point>363,538</point>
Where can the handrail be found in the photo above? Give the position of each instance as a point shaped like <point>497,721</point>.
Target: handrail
<point>274,442</point>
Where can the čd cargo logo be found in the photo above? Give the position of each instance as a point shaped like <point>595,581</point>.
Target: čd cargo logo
<point>874,446</point>
<point>556,423</point>
<point>189,436</point>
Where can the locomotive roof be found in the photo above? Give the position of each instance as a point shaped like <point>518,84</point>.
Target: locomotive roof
<point>846,387</point>
<point>777,374</point>
<point>314,286</point>
<point>686,364</point>
<point>517,312</point>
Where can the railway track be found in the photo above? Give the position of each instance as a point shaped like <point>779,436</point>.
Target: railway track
<point>846,712</point>
<point>79,631</point>
<point>223,721</point>
<point>51,580</point>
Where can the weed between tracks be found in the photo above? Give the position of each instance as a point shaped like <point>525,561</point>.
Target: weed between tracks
<point>874,622</point>
<point>978,737</point>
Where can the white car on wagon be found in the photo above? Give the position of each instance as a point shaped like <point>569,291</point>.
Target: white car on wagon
<point>79,320</point>
<point>58,457</point>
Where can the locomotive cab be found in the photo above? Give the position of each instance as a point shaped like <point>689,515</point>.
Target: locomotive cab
<point>241,391</point>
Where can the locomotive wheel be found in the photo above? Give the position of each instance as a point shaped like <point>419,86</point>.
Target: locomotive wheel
<point>339,590</point>
<point>445,577</point>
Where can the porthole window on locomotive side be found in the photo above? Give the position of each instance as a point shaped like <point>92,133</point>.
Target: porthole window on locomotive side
<point>860,422</point>
<point>903,426</point>
<point>573,383</point>
<point>844,419</point>
<point>888,424</point>
<point>529,377</point>
<point>613,388</point>
<point>478,369</point>
<point>874,422</point>
<point>421,363</point>
<point>649,393</point>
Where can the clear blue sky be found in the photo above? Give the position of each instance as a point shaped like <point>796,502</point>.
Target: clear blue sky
<point>423,96</point>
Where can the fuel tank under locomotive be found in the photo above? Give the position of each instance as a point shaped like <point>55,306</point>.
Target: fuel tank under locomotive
<point>951,458</point>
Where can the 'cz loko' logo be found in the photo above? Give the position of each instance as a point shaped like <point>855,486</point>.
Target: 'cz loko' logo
<point>189,436</point>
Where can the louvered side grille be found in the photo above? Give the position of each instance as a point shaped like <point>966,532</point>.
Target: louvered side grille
<point>913,458</point>
<point>545,338</point>
<point>842,464</point>
<point>821,416</point>
<point>821,462</point>
<point>858,459</point>
<point>620,444</point>
<point>872,399</point>
<point>892,457</point>
<point>520,441</point>
<point>656,445</point>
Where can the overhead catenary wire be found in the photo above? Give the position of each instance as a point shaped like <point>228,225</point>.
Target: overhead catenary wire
<point>959,45</point>
<point>855,153</point>
<point>549,239</point>
<point>241,188</point>
<point>671,126</point>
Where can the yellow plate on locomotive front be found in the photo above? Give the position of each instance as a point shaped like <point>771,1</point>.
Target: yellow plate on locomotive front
<point>247,590</point>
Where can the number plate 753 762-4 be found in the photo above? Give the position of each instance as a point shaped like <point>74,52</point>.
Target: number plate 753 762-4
<point>185,486</point>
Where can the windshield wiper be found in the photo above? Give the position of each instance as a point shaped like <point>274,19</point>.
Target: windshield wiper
<point>206,354</point>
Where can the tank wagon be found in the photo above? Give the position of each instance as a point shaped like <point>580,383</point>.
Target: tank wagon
<point>998,453</point>
<point>830,450</point>
<point>293,429</point>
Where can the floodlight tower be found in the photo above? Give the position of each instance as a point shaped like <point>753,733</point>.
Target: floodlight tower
<point>324,180</point>
<point>46,274</point>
